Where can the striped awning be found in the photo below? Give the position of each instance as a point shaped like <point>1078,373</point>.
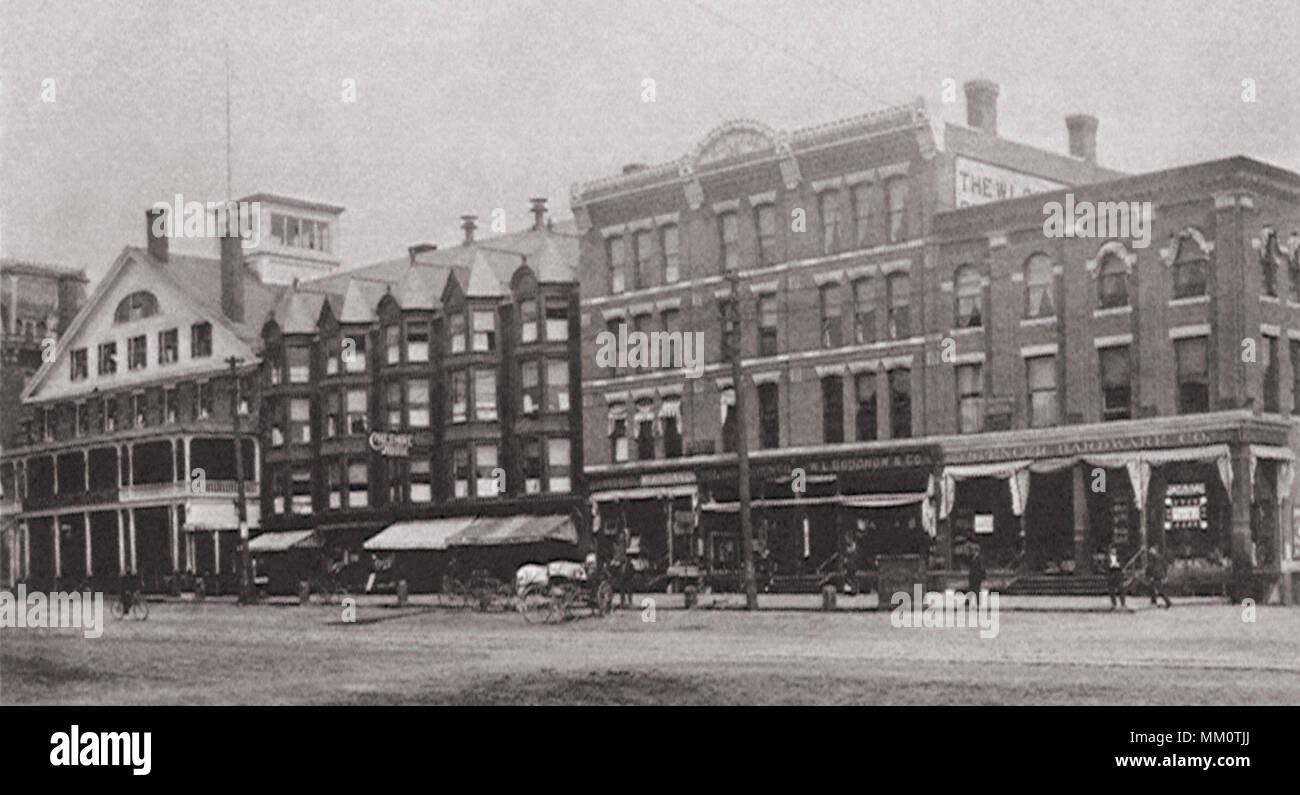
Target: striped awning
<point>284,541</point>
<point>511,530</point>
<point>419,534</point>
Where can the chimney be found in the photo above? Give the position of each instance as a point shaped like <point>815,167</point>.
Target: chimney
<point>232,270</point>
<point>1083,136</point>
<point>982,106</point>
<point>157,242</point>
<point>467,222</point>
<point>539,213</point>
<point>419,248</point>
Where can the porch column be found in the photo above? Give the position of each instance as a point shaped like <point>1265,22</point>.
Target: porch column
<point>216,553</point>
<point>188,466</point>
<point>174,526</point>
<point>58,551</point>
<point>121,544</point>
<point>257,460</point>
<point>668,509</point>
<point>1082,559</point>
<point>85,518</point>
<point>85,466</point>
<point>130,520</point>
<point>26,532</point>
<point>1243,553</point>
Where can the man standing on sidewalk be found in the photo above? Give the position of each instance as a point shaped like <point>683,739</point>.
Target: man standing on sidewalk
<point>1115,578</point>
<point>976,569</point>
<point>1156,573</point>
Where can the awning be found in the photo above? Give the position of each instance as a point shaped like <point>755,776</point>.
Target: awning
<point>784,502</point>
<point>504,531</point>
<point>284,541</point>
<point>645,493</point>
<point>200,516</point>
<point>418,534</point>
<point>884,500</point>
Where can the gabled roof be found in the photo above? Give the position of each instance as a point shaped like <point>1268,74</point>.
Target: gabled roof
<point>483,282</point>
<point>421,287</point>
<point>46,269</point>
<point>551,266</point>
<point>360,300</point>
<point>297,311</point>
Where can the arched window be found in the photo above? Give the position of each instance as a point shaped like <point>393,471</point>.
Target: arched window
<point>1112,283</point>
<point>970,298</point>
<point>897,209</point>
<point>1190,270</point>
<point>1040,287</point>
<point>898,288</point>
<point>135,306</point>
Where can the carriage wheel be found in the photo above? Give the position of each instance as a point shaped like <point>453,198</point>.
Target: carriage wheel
<point>118,610</point>
<point>140,610</point>
<point>604,599</point>
<point>535,606</point>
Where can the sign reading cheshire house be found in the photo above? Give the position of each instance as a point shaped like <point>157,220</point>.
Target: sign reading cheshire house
<point>981,183</point>
<point>396,445</point>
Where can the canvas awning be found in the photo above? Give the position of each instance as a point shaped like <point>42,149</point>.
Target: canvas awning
<point>888,500</point>
<point>645,493</point>
<point>210,516</point>
<point>418,534</point>
<point>284,541</point>
<point>510,530</point>
<point>884,500</point>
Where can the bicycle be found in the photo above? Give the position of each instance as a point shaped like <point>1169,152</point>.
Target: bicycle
<point>132,604</point>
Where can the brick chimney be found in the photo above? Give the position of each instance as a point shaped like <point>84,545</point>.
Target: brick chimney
<point>232,269</point>
<point>469,223</point>
<point>157,242</point>
<point>1083,136</point>
<point>417,249</point>
<point>982,106</point>
<point>539,213</point>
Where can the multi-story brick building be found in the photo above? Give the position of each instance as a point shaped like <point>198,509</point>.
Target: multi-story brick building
<point>429,398</point>
<point>127,466</point>
<point>838,240</point>
<point>37,302</point>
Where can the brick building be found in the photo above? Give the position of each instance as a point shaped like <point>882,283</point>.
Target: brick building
<point>420,408</point>
<point>845,242</point>
<point>126,465</point>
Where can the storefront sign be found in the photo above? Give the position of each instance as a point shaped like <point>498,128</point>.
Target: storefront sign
<point>983,524</point>
<point>394,445</point>
<point>1186,506</point>
<point>981,183</point>
<point>1080,447</point>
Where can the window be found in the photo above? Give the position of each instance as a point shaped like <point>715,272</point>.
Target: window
<point>457,331</point>
<point>832,409</point>
<point>765,220</point>
<point>1272,398</point>
<point>168,346</point>
<point>613,326</point>
<point>558,465</point>
<point>47,423</point>
<point>459,395</point>
<point>1112,282</point>
<point>528,320</point>
<point>669,415</point>
<point>485,394</point>
<point>137,350</point>
<point>862,198</point>
<point>1294,348</point>
<point>421,480</point>
<point>532,463</point>
<point>300,420</point>
<point>900,403</point>
<point>485,330</point>
<point>245,395</point>
<point>354,353</point>
<point>417,403</point>
<point>334,474</point>
<point>668,240</point>
<point>769,416</point>
<point>202,400</point>
<point>171,404</point>
<point>729,424</point>
<point>136,306</point>
<point>332,404</point>
<point>557,321</point>
<point>298,358</point>
<point>300,490</point>
<point>392,346</point>
<point>899,289</point>
<point>672,320</point>
<point>1040,287</point>
<point>832,325</point>
<point>530,387</point>
<point>557,385</point>
<point>460,469</point>
<point>725,313</point>
<point>1040,373</point>
<point>618,450</point>
<point>82,424</point>
<point>1293,268</point>
<point>356,404</point>
<point>107,358</point>
<point>616,255</point>
<point>1268,267</point>
<point>108,415</point>
<point>1191,270</point>
<point>1193,374</point>
<point>139,410</point>
<point>970,298</point>
<point>80,360</point>
<point>645,431</point>
<point>417,341</point>
<point>828,204</point>
<point>358,484</point>
<point>393,404</point>
<point>1116,384</point>
<point>970,398</point>
<point>864,387</point>
<point>485,462</point>
<point>864,311</point>
<point>767,325</point>
<point>200,340</point>
<point>644,257</point>
<point>729,241</point>
<point>897,209</point>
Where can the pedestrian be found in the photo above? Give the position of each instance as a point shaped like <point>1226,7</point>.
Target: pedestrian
<point>1115,578</point>
<point>976,569</point>
<point>1157,570</point>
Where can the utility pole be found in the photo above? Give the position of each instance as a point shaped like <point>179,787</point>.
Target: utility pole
<point>245,564</point>
<point>742,441</point>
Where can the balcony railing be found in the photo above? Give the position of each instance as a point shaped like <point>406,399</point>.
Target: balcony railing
<point>155,491</point>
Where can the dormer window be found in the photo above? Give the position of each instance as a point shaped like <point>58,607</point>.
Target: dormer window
<point>485,330</point>
<point>288,230</point>
<point>136,306</point>
<point>200,340</point>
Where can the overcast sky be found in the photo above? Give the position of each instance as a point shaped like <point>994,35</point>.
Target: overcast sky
<point>463,107</point>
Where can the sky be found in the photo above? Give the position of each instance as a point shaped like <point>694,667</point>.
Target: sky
<point>466,107</point>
